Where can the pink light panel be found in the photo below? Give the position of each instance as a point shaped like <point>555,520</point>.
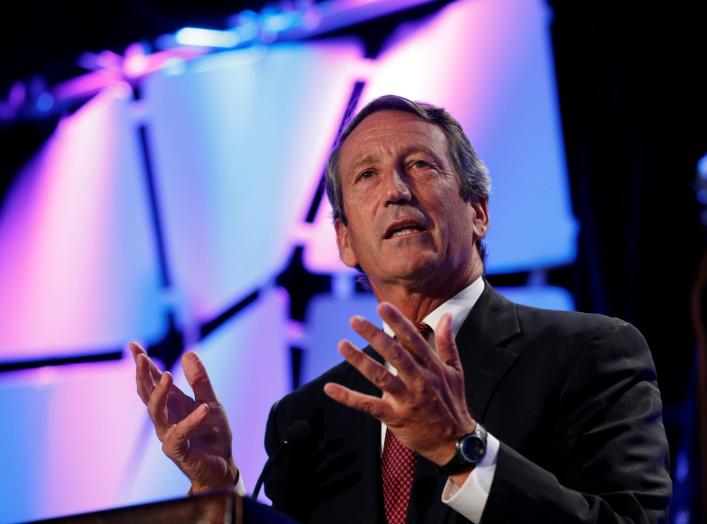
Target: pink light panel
<point>78,270</point>
<point>70,434</point>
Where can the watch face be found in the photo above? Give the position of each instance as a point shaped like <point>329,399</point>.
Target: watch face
<point>473,448</point>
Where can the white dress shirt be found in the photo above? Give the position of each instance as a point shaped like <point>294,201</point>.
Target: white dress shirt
<point>470,498</point>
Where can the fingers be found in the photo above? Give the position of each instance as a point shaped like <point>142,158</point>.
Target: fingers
<point>143,379</point>
<point>157,404</point>
<point>446,346</point>
<point>371,369</point>
<point>406,332</point>
<point>353,399</point>
<point>174,444</point>
<point>386,346</point>
<point>147,374</point>
<point>137,350</point>
<point>186,427</point>
<point>197,377</point>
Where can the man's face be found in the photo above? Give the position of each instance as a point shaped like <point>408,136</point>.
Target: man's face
<point>407,222</point>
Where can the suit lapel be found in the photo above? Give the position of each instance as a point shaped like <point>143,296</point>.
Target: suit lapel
<point>486,361</point>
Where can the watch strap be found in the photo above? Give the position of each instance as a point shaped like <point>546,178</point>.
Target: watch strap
<point>459,461</point>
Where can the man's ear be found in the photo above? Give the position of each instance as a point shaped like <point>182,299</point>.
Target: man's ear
<point>346,252</point>
<point>481,218</point>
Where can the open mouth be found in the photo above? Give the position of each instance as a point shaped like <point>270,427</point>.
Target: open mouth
<point>403,229</point>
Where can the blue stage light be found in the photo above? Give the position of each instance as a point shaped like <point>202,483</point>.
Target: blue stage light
<point>200,37</point>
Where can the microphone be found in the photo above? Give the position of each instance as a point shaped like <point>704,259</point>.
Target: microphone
<point>295,435</point>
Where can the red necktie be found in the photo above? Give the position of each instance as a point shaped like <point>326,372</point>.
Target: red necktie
<point>398,469</point>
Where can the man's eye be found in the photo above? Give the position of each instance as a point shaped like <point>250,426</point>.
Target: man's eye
<point>420,164</point>
<point>365,175</point>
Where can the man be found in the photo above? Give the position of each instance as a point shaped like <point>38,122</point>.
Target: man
<point>503,413</point>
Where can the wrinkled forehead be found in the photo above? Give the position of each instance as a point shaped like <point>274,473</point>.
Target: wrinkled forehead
<point>386,132</point>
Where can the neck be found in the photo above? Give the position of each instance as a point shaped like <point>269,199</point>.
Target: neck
<point>416,299</point>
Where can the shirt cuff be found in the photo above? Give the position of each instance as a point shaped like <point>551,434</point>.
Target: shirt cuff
<point>469,499</point>
<point>238,489</point>
<point>240,486</point>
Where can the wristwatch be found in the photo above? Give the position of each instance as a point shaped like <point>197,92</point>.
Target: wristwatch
<point>471,449</point>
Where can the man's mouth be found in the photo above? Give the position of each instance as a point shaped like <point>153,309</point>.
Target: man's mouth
<point>403,228</point>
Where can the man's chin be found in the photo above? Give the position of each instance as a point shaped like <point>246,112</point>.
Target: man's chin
<point>410,271</point>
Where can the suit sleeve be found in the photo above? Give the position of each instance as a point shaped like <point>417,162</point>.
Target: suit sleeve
<point>609,461</point>
<point>289,483</point>
<point>274,483</point>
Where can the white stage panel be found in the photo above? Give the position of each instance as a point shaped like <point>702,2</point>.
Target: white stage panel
<point>239,141</point>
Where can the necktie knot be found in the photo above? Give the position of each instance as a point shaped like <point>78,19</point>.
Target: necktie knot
<point>424,329</point>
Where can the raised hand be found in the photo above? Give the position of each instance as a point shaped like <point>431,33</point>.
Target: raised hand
<point>194,433</point>
<point>425,404</point>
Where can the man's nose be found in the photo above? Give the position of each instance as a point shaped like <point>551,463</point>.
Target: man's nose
<point>397,188</point>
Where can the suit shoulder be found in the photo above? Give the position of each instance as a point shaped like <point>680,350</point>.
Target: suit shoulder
<point>573,336</point>
<point>574,325</point>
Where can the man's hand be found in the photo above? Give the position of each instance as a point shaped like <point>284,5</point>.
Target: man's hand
<point>424,405</point>
<point>194,433</point>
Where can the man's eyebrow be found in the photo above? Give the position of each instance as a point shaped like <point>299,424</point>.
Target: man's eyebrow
<point>417,149</point>
<point>370,158</point>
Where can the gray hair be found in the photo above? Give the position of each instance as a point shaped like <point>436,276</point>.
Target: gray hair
<point>474,180</point>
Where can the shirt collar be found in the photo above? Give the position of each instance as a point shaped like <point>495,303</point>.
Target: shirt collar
<point>459,306</point>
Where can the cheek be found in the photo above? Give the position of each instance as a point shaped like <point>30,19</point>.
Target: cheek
<point>356,207</point>
<point>458,225</point>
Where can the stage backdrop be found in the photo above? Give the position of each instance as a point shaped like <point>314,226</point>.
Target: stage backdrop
<point>185,201</point>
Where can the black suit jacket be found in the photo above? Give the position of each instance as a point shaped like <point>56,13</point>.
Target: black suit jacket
<point>572,397</point>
